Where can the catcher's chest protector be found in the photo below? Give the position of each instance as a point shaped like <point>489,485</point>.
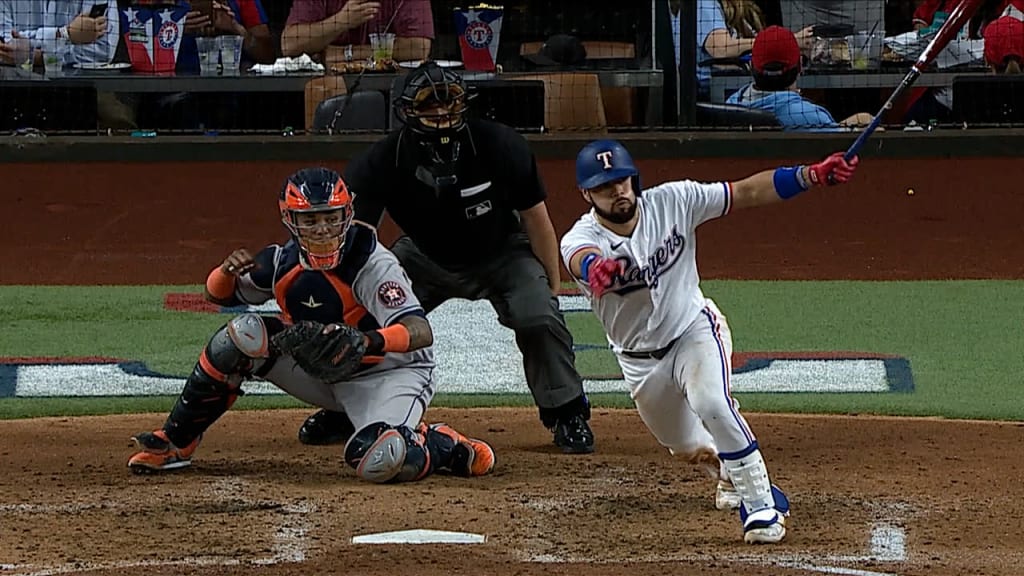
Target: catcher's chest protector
<point>325,296</point>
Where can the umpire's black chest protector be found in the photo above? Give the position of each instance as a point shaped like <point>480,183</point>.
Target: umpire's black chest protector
<point>461,213</point>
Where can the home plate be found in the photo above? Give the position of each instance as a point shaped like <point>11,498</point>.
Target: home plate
<point>420,537</point>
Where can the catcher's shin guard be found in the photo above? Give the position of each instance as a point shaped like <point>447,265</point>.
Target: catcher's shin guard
<point>236,351</point>
<point>384,454</point>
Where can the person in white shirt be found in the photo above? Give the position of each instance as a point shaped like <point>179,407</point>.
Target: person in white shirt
<point>634,255</point>
<point>62,26</point>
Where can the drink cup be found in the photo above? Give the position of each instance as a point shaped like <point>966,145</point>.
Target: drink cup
<point>53,64</point>
<point>22,52</point>
<point>209,55</point>
<point>53,57</point>
<point>230,54</point>
<point>865,50</point>
<point>382,47</point>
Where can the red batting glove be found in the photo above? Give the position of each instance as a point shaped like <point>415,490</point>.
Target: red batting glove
<point>833,170</point>
<point>601,274</point>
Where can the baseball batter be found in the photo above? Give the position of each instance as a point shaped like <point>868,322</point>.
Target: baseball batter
<point>634,255</point>
<point>368,356</point>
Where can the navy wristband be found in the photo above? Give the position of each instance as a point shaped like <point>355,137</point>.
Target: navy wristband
<point>585,266</point>
<point>789,181</point>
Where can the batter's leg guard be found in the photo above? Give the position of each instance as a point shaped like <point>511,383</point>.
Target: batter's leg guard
<point>764,507</point>
<point>236,351</point>
<point>455,452</point>
<point>384,454</point>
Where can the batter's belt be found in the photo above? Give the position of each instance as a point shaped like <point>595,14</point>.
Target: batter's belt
<point>652,354</point>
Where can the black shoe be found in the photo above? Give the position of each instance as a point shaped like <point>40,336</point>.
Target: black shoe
<point>326,427</point>
<point>573,435</point>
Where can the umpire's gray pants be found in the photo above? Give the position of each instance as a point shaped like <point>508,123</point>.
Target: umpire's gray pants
<point>516,284</point>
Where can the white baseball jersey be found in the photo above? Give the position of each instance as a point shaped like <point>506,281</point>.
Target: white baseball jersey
<point>658,295</point>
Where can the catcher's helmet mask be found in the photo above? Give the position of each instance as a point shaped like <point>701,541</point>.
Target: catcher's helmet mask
<point>320,192</point>
<point>433,105</point>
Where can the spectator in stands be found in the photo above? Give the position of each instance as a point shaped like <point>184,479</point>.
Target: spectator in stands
<point>47,25</point>
<point>343,28</point>
<point>725,29</point>
<point>1004,45</point>
<point>842,16</point>
<point>776,66</point>
<point>244,18</point>
<point>935,104</point>
<point>67,29</point>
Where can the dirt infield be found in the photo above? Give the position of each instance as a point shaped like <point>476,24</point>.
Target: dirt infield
<point>928,497</point>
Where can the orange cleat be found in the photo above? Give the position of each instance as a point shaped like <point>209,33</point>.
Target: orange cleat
<point>470,457</point>
<point>157,453</point>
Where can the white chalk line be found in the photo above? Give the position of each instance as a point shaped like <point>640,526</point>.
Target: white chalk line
<point>55,508</point>
<point>289,539</point>
<point>887,544</point>
<point>805,562</point>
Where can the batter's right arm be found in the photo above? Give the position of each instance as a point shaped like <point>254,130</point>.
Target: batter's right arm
<point>575,263</point>
<point>590,266</point>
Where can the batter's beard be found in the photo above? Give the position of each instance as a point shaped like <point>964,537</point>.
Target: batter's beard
<point>616,217</point>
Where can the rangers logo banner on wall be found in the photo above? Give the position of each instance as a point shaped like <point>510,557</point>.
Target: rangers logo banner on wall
<point>153,37</point>
<point>479,28</point>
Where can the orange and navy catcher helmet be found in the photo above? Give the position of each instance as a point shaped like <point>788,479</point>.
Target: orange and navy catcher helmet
<point>316,207</point>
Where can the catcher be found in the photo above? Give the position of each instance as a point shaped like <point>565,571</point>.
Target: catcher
<point>352,338</point>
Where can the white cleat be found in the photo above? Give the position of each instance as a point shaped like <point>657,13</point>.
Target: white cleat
<point>765,527</point>
<point>771,534</point>
<point>726,496</point>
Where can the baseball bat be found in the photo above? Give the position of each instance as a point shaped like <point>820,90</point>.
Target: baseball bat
<point>957,20</point>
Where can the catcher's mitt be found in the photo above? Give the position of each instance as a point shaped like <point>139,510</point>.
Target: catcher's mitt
<point>330,355</point>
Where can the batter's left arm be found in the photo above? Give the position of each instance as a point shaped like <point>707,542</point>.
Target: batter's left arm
<point>783,183</point>
<point>543,242</point>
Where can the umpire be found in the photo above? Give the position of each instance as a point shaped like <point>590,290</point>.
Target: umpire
<point>470,201</point>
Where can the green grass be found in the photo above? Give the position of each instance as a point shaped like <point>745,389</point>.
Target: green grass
<point>963,339</point>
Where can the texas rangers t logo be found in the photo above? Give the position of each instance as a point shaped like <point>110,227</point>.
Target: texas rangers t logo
<point>606,158</point>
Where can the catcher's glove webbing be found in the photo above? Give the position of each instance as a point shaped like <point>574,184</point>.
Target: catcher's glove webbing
<point>331,353</point>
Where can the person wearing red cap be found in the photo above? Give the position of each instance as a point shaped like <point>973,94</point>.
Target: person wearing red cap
<point>776,66</point>
<point>1004,45</point>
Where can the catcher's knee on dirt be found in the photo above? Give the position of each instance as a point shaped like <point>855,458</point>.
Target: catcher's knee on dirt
<point>237,350</point>
<point>381,453</point>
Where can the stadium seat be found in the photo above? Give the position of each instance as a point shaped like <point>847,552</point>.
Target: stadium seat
<point>733,116</point>
<point>361,110</point>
